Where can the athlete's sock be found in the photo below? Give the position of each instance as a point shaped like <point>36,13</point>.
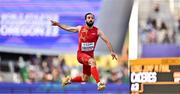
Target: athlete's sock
<point>77,79</point>
<point>95,74</point>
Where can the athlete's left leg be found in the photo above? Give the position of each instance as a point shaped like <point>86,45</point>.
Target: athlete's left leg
<point>95,74</point>
<point>94,70</point>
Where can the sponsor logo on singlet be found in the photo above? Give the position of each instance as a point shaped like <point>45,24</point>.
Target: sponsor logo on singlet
<point>87,46</point>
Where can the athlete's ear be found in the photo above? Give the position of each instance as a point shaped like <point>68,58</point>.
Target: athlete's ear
<point>85,20</point>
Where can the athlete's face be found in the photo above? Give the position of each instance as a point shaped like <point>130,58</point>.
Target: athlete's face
<point>90,20</point>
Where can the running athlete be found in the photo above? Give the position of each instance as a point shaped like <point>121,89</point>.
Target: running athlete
<point>88,36</point>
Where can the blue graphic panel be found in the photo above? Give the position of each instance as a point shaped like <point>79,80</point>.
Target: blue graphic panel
<point>25,23</point>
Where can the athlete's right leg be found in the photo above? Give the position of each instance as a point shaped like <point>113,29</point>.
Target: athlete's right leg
<point>79,78</point>
<point>89,67</point>
<point>67,80</point>
<point>85,76</point>
<point>83,59</point>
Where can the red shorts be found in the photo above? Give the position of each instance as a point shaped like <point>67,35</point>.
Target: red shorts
<point>83,58</point>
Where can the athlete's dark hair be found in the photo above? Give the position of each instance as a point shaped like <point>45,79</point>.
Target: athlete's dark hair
<point>88,14</point>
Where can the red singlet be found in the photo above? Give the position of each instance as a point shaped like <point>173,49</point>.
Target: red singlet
<point>86,46</point>
<point>87,40</point>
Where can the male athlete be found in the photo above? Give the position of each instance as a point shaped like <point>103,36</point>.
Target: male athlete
<point>88,36</point>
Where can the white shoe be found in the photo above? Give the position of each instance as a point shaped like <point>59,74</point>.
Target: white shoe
<point>101,86</point>
<point>66,81</point>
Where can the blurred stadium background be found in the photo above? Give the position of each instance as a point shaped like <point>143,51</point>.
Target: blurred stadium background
<point>159,28</point>
<point>34,56</point>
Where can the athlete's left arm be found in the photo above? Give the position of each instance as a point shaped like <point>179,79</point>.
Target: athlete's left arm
<point>106,40</point>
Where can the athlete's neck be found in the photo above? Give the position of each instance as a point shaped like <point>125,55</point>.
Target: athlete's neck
<point>89,27</point>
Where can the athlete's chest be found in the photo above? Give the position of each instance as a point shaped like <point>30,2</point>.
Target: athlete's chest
<point>88,34</point>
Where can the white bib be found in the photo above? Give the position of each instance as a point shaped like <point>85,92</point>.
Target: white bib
<point>87,46</point>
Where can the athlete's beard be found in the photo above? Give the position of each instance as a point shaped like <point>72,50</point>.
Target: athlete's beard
<point>90,24</point>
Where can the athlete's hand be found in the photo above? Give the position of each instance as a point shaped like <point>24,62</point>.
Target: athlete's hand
<point>114,55</point>
<point>54,23</point>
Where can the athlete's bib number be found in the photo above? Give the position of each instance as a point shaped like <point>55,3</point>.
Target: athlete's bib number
<point>88,46</point>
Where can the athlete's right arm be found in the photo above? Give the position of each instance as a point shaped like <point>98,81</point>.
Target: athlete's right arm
<point>65,27</point>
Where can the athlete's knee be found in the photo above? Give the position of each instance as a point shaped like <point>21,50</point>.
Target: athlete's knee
<point>85,78</point>
<point>92,62</point>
